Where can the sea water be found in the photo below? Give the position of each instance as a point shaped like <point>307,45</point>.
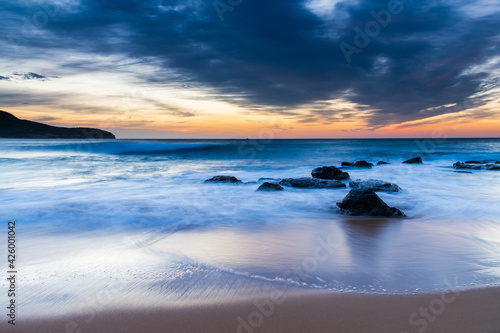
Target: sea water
<point>135,218</point>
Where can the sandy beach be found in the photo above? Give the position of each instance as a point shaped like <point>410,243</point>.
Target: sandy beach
<point>298,311</point>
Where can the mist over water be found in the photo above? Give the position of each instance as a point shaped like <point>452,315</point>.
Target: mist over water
<point>137,211</point>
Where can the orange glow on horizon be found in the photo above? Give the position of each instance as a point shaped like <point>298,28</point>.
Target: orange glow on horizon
<point>243,126</point>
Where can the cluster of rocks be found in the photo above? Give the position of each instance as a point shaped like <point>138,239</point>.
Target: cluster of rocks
<point>477,165</point>
<point>365,164</point>
<point>361,200</point>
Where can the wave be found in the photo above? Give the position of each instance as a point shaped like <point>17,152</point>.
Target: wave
<point>151,148</point>
<point>121,147</point>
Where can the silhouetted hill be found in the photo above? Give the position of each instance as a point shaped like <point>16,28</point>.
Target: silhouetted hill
<point>13,127</point>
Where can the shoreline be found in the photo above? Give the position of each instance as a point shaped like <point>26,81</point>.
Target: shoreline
<point>454,311</point>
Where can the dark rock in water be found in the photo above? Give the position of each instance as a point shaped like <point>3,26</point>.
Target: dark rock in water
<point>375,185</point>
<point>462,171</point>
<point>223,179</point>
<point>473,166</point>
<point>266,179</point>
<point>362,164</point>
<point>270,187</point>
<point>414,160</point>
<point>362,202</point>
<point>476,165</point>
<point>381,163</point>
<point>13,127</point>
<point>329,172</point>
<point>482,162</point>
<point>306,182</point>
<point>357,164</point>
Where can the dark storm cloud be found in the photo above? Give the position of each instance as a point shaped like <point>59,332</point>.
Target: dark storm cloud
<point>279,54</point>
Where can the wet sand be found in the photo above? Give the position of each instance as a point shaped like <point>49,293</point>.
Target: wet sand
<point>472,311</point>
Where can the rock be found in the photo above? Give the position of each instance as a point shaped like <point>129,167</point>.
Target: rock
<point>414,160</point>
<point>306,182</point>
<point>223,179</point>
<point>266,179</point>
<point>460,165</point>
<point>329,172</point>
<point>381,163</point>
<point>375,185</point>
<point>461,171</point>
<point>482,162</point>
<point>357,164</point>
<point>362,164</point>
<point>476,165</point>
<point>365,202</point>
<point>270,187</point>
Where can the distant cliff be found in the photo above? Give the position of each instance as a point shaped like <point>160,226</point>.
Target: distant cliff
<point>15,128</point>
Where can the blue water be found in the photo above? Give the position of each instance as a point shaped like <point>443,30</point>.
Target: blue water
<point>144,204</point>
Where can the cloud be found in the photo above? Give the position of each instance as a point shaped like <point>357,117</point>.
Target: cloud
<point>45,119</point>
<point>169,109</point>
<point>282,54</point>
<point>34,76</point>
<point>25,76</point>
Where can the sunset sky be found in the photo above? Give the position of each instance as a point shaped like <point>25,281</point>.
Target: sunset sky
<point>255,68</point>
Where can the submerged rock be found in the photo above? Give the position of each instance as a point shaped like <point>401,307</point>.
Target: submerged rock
<point>266,179</point>
<point>329,172</point>
<point>223,179</point>
<point>363,202</point>
<point>375,185</point>
<point>381,162</point>
<point>306,182</point>
<point>358,164</point>
<point>473,166</point>
<point>477,165</point>
<point>270,187</point>
<point>362,164</point>
<point>414,160</point>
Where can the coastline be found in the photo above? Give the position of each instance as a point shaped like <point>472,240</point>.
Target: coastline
<point>298,311</point>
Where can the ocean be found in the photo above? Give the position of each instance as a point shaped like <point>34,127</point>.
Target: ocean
<point>135,218</point>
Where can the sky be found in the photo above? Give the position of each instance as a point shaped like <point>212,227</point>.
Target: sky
<point>255,68</point>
